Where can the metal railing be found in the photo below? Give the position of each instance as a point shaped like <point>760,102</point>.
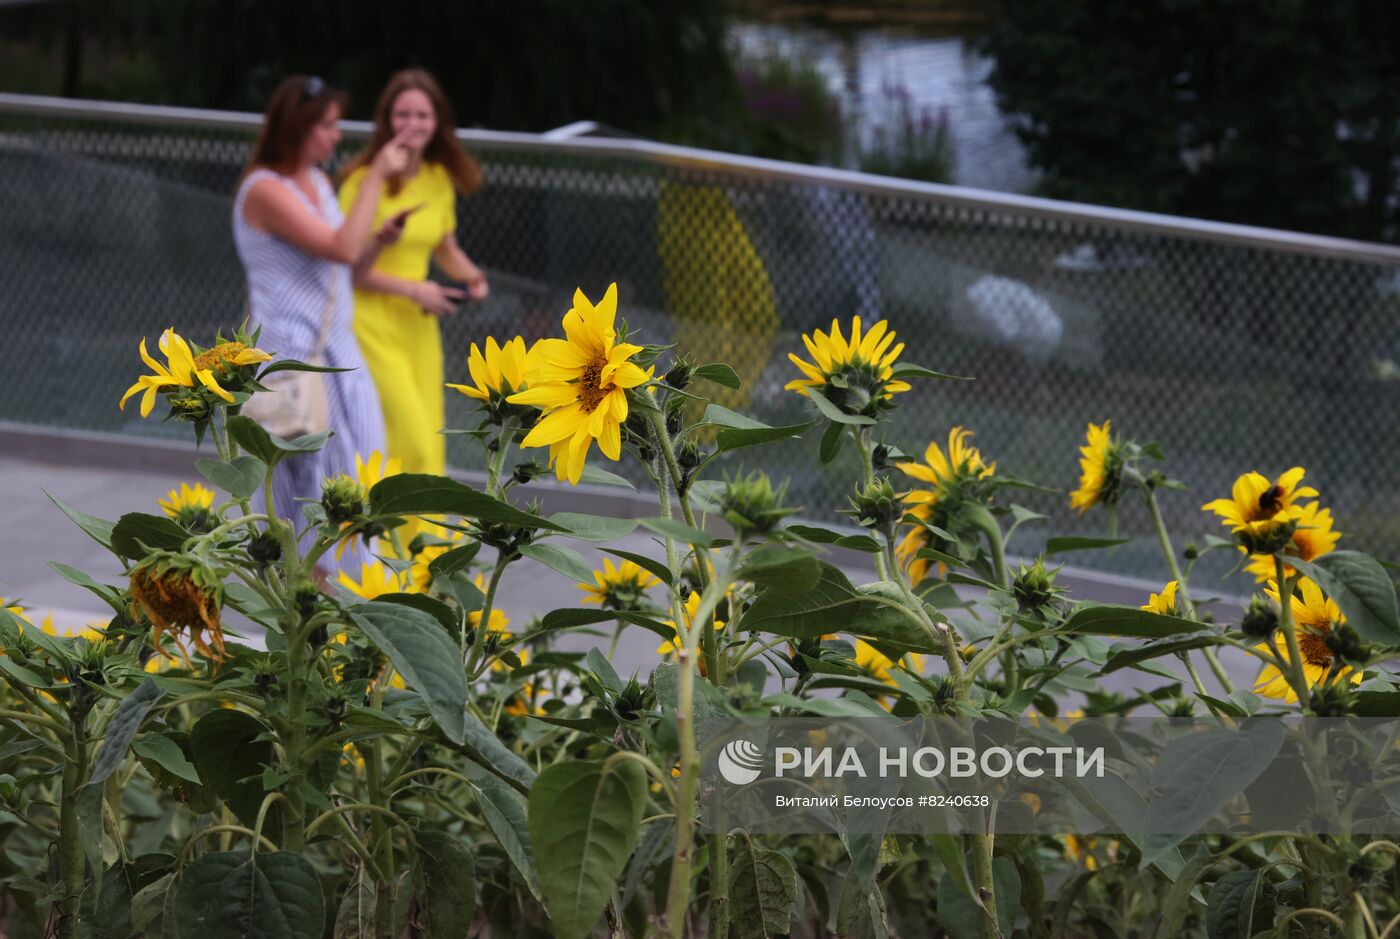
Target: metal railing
<point>1234,347</point>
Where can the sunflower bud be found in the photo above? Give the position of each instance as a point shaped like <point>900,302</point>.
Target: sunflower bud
<point>673,423</point>
<point>524,472</point>
<point>880,458</point>
<point>264,677</point>
<point>1182,707</point>
<point>1268,539</point>
<point>752,505</point>
<point>306,599</point>
<point>679,375</point>
<point>877,506</point>
<point>633,701</point>
<point>1034,586</point>
<point>1346,644</point>
<point>1331,701</point>
<point>342,498</point>
<point>264,549</point>
<point>1260,619</point>
<point>337,708</point>
<point>689,457</point>
<point>1191,552</point>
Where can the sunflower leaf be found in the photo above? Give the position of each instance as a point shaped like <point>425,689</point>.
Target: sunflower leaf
<point>832,439</point>
<point>672,528</point>
<point>99,529</point>
<point>601,477</point>
<point>1102,620</point>
<point>1361,588</point>
<point>903,370</point>
<point>719,373</point>
<point>559,558</point>
<point>136,534</point>
<point>646,563</point>
<point>1066,543</point>
<point>592,527</point>
<point>424,494</point>
<point>1232,905</point>
<point>423,652</point>
<point>735,438</point>
<point>240,477</point>
<point>832,413</point>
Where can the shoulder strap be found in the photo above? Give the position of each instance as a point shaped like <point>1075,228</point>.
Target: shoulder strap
<point>327,313</point>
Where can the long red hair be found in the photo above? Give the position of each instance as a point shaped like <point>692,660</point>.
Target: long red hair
<point>443,148</point>
<point>298,104</point>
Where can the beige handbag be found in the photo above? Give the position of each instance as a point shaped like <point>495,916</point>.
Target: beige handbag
<point>295,402</point>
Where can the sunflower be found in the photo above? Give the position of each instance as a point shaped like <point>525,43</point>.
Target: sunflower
<point>856,376</point>
<point>421,572</point>
<point>1263,514</point>
<point>525,701</point>
<point>1100,469</point>
<point>497,374</point>
<point>580,383</point>
<point>176,595</point>
<point>1164,602</point>
<point>949,474</point>
<point>877,665</point>
<point>375,580</point>
<point>673,645</point>
<point>191,506</point>
<point>619,588</point>
<point>1315,616</point>
<point>184,370</point>
<point>1312,538</point>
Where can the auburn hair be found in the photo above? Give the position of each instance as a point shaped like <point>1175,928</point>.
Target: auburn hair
<point>444,148</point>
<point>297,105</point>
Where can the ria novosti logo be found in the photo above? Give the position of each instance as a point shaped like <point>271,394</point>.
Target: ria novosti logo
<point>741,762</point>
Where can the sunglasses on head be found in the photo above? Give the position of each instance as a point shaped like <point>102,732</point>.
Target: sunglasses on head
<point>313,87</point>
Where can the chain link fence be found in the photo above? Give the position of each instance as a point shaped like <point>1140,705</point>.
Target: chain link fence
<point>1233,348</point>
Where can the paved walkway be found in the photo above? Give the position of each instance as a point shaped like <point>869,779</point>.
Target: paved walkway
<point>39,532</point>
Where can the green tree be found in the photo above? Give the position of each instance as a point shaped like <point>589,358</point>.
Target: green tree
<point>1281,114</point>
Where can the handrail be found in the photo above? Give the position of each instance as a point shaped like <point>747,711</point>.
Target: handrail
<point>754,167</point>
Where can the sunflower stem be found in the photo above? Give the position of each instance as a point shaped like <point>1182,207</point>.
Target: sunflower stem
<point>496,461</point>
<point>484,625</point>
<point>71,857</point>
<point>861,436</point>
<point>1297,678</point>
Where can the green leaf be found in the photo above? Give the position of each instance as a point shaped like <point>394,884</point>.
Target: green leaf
<point>227,895</point>
<point>240,477</point>
<point>674,528</point>
<point>592,527</point>
<point>1180,902</point>
<point>1361,588</point>
<point>136,534</point>
<point>98,529</point>
<point>734,438</point>
<point>78,578</point>
<point>832,413</point>
<point>584,819</point>
<point>962,916</point>
<point>601,477</point>
<point>566,561</point>
<point>295,365</point>
<point>832,438</point>
<point>662,572</point>
<point>1153,650</point>
<point>445,883</point>
<point>1072,543</point>
<point>487,750</point>
<point>424,494</point>
<point>454,560</point>
<point>126,720</point>
<point>569,618</point>
<point>805,611</point>
<point>251,436</point>
<point>424,654</point>
<point>598,663</point>
<point>166,753</point>
<point>724,417</point>
<point>504,811</point>
<point>229,753</point>
<point>905,370</point>
<point>11,626</point>
<point>773,563</point>
<point>826,536</point>
<point>1231,907</point>
<point>762,891</point>
<point>1197,773</point>
<point>719,373</point>
<point>444,614</point>
<point>1097,620</point>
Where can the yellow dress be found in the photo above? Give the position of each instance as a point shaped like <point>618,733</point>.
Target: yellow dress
<point>401,343</point>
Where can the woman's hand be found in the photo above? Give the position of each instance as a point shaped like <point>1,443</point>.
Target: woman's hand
<point>435,298</point>
<point>392,158</point>
<point>477,287</point>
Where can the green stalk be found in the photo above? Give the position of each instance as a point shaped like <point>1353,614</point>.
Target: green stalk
<point>486,606</point>
<point>495,462</point>
<point>1297,678</point>
<point>883,567</point>
<point>72,859</point>
<point>383,846</point>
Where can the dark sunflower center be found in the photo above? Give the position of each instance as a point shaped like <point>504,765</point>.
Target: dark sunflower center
<point>1313,646</point>
<point>590,394</point>
<point>1271,501</point>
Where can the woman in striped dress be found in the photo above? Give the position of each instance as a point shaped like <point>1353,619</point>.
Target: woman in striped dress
<point>297,249</point>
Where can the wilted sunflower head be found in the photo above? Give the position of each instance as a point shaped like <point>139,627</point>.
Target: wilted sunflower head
<point>178,595</point>
<point>192,507</point>
<point>856,376</point>
<point>622,587</point>
<point>1100,469</point>
<point>1263,514</point>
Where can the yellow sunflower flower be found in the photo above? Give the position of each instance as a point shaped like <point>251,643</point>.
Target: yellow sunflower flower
<point>1258,510</point>
<point>1312,539</point>
<point>945,472</point>
<point>183,370</point>
<point>855,376</point>
<point>228,356</point>
<point>371,471</point>
<point>187,499</point>
<point>375,580</point>
<point>673,645</point>
<point>497,374</point>
<point>1100,469</point>
<point>1164,602</point>
<point>581,385</point>
<point>525,701</point>
<point>618,588</point>
<point>877,665</point>
<point>1315,616</point>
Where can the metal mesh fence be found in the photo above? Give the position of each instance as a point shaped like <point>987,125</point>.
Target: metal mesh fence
<point>1233,356</point>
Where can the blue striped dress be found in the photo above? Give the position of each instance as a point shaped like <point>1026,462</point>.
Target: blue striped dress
<point>287,294</point>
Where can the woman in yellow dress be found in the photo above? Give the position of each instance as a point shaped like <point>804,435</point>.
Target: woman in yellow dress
<point>397,306</point>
